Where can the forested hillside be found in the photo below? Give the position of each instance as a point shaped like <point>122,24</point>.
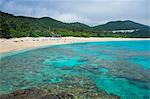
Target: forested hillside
<point>21,26</point>
<point>120,25</point>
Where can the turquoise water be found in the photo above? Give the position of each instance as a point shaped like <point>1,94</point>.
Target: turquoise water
<point>120,67</point>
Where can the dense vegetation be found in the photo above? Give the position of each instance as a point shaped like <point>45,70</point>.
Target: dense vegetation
<point>120,25</point>
<point>20,26</point>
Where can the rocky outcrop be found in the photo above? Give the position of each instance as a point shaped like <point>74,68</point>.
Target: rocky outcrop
<point>70,88</point>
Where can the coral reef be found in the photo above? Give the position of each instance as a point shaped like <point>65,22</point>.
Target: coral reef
<point>70,88</point>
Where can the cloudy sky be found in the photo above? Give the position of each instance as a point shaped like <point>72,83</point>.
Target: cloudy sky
<point>91,12</point>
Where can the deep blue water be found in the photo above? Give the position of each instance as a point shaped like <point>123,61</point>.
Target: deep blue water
<point>118,67</point>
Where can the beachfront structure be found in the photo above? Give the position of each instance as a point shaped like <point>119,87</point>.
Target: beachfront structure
<point>124,31</point>
<point>52,34</point>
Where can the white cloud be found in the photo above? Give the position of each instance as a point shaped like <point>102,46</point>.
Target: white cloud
<point>91,12</point>
<point>68,17</point>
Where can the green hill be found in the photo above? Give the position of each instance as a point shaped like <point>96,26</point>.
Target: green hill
<point>21,26</point>
<point>120,25</point>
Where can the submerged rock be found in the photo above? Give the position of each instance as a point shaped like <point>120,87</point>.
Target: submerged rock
<point>70,88</point>
<point>35,93</point>
<point>66,68</point>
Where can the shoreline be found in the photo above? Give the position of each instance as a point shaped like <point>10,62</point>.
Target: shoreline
<point>16,44</point>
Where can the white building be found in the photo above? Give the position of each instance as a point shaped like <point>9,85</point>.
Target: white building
<point>124,31</point>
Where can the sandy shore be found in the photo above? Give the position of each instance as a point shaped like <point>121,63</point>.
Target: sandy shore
<point>14,44</point>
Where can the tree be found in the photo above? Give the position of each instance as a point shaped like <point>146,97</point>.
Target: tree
<point>4,29</point>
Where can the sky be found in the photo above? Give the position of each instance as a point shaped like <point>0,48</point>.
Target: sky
<point>91,12</point>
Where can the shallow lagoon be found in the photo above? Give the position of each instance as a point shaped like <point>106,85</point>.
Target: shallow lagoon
<point>118,67</point>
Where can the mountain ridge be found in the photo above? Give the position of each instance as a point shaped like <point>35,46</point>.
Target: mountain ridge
<point>41,27</point>
<point>1,12</point>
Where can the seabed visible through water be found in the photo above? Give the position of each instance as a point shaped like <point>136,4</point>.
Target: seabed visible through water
<point>92,70</point>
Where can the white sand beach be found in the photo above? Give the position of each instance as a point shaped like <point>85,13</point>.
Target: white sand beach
<point>14,44</point>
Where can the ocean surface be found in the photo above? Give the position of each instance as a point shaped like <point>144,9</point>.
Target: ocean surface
<point>118,67</point>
